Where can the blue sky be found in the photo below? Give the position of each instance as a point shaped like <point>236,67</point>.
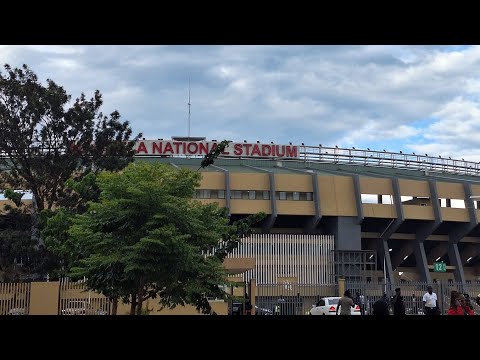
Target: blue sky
<point>422,99</point>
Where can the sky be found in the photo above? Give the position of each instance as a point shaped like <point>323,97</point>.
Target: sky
<point>422,99</point>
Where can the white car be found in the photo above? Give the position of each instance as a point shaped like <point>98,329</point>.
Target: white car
<point>81,308</point>
<point>328,306</point>
<point>17,311</point>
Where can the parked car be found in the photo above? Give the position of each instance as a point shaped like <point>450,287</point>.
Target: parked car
<point>76,307</point>
<point>16,311</point>
<point>262,311</point>
<point>328,306</point>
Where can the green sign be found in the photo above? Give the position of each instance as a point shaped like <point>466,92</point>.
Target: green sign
<point>439,267</point>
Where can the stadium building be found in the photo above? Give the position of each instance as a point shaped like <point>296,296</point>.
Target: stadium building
<point>361,215</point>
<point>358,214</point>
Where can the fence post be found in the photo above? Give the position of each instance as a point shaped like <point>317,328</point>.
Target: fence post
<point>442,292</point>
<point>341,286</point>
<point>253,294</point>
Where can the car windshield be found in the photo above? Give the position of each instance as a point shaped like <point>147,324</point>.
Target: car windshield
<point>333,301</point>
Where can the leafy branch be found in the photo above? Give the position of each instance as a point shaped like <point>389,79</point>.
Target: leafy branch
<point>213,154</point>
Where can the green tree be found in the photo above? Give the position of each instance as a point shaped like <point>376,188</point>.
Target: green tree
<point>46,139</point>
<point>147,238</point>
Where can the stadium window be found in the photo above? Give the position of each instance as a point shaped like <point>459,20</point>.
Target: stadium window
<point>205,194</point>
<point>213,194</point>
<point>369,198</point>
<point>266,195</point>
<point>244,194</point>
<point>309,196</point>
<point>296,195</point>
<point>408,200</point>
<point>387,199</point>
<point>236,194</point>
<point>289,195</point>
<point>282,195</point>
<point>457,204</point>
<point>221,194</point>
<point>251,195</point>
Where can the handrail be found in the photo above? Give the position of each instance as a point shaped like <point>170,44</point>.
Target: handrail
<point>366,157</point>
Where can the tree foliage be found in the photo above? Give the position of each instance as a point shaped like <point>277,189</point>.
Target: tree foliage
<point>214,153</point>
<point>146,238</point>
<point>47,138</point>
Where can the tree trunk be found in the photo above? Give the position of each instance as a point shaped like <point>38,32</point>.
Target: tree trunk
<point>133,304</point>
<point>38,241</point>
<point>140,296</point>
<point>114,306</point>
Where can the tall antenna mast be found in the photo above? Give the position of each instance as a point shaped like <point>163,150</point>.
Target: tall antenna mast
<point>189,104</point>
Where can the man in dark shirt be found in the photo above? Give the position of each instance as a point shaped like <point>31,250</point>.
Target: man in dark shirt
<point>397,302</point>
<point>380,307</point>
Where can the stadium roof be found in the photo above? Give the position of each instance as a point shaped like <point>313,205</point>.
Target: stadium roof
<point>298,166</point>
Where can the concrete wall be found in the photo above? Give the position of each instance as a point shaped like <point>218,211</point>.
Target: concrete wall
<point>44,298</point>
<point>379,210</point>
<point>286,182</point>
<point>240,206</point>
<point>250,181</point>
<point>369,185</point>
<point>337,195</point>
<point>212,180</point>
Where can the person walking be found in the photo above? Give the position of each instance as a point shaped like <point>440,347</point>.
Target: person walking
<point>458,305</point>
<point>380,307</point>
<point>430,302</point>
<point>345,304</point>
<point>360,301</point>
<point>397,303</point>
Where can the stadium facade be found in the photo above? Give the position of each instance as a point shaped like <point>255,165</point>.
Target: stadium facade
<point>333,212</point>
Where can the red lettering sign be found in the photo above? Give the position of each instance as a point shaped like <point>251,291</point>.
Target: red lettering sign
<point>202,148</point>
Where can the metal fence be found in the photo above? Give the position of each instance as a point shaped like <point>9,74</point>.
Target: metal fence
<point>14,298</point>
<point>75,299</point>
<point>72,298</point>
<point>298,299</point>
<point>290,299</point>
<point>413,292</point>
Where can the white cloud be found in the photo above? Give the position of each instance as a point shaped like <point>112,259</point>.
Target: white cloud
<point>345,95</point>
<point>57,49</point>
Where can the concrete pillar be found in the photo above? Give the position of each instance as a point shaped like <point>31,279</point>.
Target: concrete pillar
<point>273,201</point>
<point>421,259</point>
<point>347,233</point>
<point>313,222</point>
<point>358,198</point>
<point>455,260</point>
<point>341,286</point>
<point>425,231</point>
<point>459,232</point>
<point>227,187</point>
